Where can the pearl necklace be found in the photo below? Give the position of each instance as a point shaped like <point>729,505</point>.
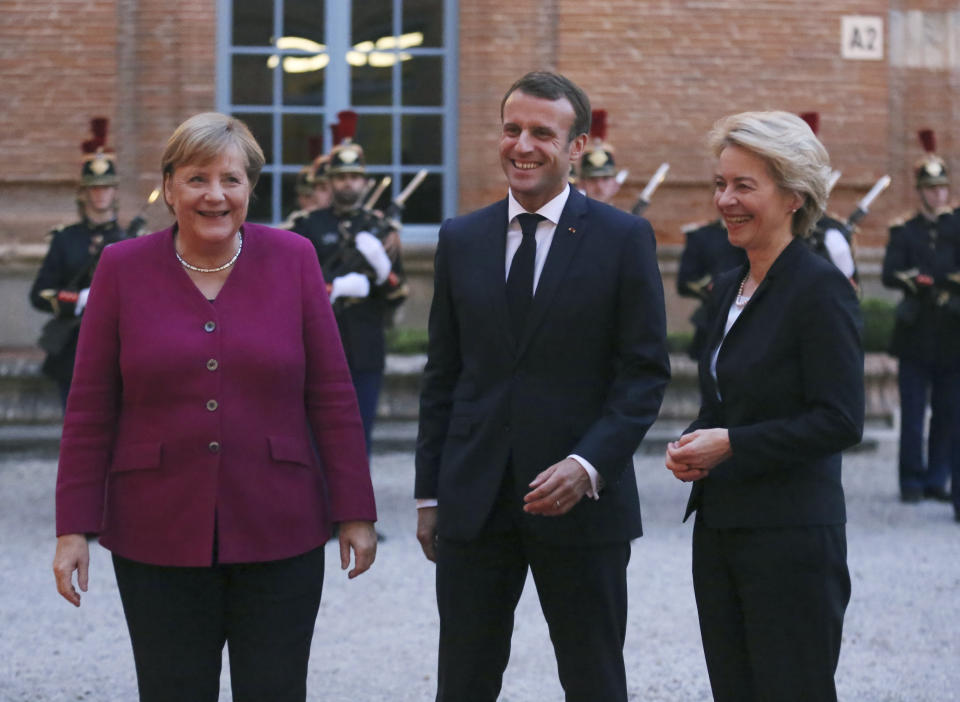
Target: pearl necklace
<point>740,300</point>
<point>225,266</point>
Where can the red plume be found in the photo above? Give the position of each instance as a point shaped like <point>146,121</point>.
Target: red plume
<point>348,124</point>
<point>98,125</point>
<point>928,140</point>
<point>314,147</point>
<point>813,121</point>
<point>598,125</point>
<point>335,131</point>
<point>90,146</point>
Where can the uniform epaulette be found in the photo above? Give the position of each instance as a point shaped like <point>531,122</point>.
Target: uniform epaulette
<point>833,215</point>
<point>900,220</point>
<point>693,226</point>
<point>56,230</point>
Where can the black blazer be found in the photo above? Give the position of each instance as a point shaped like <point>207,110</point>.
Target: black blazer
<point>586,377</point>
<point>790,375</point>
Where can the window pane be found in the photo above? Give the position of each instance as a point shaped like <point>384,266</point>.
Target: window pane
<point>252,81</point>
<point>425,205</point>
<point>304,18</point>
<point>373,134</point>
<point>288,195</point>
<point>260,209</point>
<point>422,140</point>
<point>303,79</point>
<point>371,86</point>
<point>371,19</point>
<point>262,128</point>
<point>425,17</point>
<point>253,22</point>
<point>298,132</point>
<point>422,81</point>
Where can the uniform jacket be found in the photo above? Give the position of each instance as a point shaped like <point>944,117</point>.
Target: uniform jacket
<point>706,255</point>
<point>361,321</point>
<point>187,415</point>
<point>586,377</point>
<point>790,375</point>
<point>927,327</point>
<point>69,265</point>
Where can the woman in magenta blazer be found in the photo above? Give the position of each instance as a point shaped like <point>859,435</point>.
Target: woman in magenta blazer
<point>212,435</point>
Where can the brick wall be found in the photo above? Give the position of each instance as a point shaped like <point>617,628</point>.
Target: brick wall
<point>664,69</point>
<point>146,65</point>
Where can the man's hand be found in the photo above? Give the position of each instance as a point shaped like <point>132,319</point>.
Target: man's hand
<point>361,537</point>
<point>73,554</point>
<point>427,531</point>
<point>557,489</point>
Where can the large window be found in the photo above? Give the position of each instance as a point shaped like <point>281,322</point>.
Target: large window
<point>287,67</point>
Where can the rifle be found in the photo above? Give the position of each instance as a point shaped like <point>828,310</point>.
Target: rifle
<point>139,222</point>
<point>643,202</point>
<point>863,207</point>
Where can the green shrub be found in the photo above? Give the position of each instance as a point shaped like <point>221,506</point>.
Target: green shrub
<point>878,317</point>
<point>406,340</point>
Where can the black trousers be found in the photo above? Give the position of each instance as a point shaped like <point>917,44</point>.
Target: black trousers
<point>582,591</point>
<point>771,604</point>
<point>180,618</point>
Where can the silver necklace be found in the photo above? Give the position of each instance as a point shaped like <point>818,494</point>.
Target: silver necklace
<point>741,301</point>
<point>225,266</point>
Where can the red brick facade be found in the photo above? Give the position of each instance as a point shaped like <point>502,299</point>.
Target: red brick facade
<point>664,70</point>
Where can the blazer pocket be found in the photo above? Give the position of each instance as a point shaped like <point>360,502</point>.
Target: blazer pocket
<point>461,426</point>
<point>289,449</point>
<point>142,456</point>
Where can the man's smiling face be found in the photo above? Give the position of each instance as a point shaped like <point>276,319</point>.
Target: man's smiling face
<point>536,149</point>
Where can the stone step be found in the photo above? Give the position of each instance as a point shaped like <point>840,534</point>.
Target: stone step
<point>30,412</point>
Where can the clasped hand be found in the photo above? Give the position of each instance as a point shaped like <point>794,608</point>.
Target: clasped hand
<point>693,455</point>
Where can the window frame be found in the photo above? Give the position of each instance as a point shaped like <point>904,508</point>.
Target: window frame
<point>337,86</point>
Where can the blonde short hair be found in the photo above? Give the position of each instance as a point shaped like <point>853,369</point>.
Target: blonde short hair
<point>203,137</point>
<point>795,158</point>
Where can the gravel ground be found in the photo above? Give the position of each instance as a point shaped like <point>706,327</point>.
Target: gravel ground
<point>376,636</point>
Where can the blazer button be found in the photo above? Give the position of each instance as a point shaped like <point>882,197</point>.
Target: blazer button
<point>212,364</point>
<point>209,326</point>
<point>213,447</point>
<point>212,405</point>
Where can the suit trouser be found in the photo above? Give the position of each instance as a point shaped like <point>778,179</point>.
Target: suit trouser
<point>582,591</point>
<point>180,618</point>
<point>918,381</point>
<point>771,604</point>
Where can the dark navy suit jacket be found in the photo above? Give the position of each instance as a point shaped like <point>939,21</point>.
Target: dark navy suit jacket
<point>586,377</point>
<point>790,375</point>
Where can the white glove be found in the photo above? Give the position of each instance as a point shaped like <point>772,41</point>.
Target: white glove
<point>376,255</point>
<point>81,301</point>
<point>350,285</point>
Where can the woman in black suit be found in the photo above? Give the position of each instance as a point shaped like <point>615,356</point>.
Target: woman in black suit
<point>782,384</point>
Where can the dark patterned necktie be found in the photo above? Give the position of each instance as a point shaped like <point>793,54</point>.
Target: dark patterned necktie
<point>520,279</point>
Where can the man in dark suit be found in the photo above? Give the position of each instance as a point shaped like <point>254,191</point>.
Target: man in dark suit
<point>536,394</point>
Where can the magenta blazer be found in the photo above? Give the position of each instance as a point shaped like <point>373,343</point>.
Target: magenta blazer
<point>188,417</point>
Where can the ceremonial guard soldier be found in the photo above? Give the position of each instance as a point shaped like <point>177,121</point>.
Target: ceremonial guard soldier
<point>830,237</point>
<point>598,172</point>
<point>312,186</point>
<point>63,281</point>
<point>359,252</point>
<point>707,254</point>
<point>922,260</point>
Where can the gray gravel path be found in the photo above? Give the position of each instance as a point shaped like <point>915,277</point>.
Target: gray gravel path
<point>376,636</point>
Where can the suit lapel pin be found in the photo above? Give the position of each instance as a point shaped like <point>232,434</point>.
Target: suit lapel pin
<point>571,230</point>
